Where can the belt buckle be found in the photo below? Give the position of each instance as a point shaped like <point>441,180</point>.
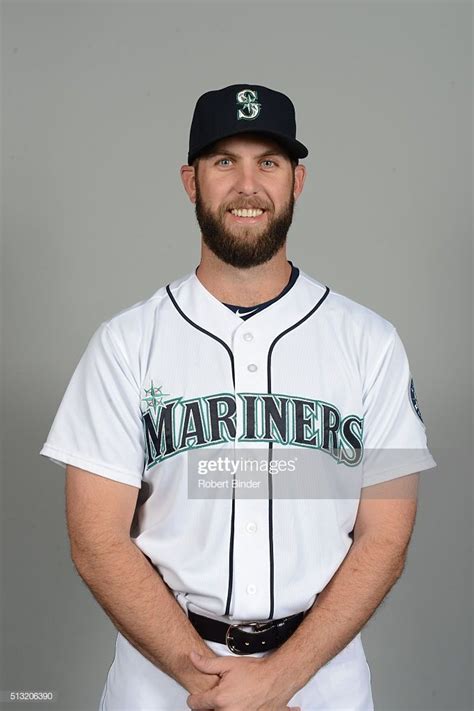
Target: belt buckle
<point>260,627</point>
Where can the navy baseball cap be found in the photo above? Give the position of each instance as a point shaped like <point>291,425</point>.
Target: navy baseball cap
<point>241,108</point>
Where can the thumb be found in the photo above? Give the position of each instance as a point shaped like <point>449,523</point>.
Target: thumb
<point>210,665</point>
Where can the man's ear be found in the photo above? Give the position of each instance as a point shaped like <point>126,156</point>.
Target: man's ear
<point>188,178</point>
<point>300,175</point>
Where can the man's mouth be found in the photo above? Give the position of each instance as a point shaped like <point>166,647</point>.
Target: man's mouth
<point>249,215</point>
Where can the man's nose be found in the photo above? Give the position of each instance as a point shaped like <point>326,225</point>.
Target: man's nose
<point>247,180</point>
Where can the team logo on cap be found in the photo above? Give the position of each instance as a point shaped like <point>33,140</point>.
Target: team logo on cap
<point>413,399</point>
<point>248,106</point>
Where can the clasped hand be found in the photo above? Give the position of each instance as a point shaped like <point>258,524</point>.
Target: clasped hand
<point>246,684</point>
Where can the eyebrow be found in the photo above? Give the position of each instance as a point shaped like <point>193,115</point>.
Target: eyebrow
<point>275,152</point>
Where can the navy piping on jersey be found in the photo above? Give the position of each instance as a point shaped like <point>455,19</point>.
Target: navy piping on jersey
<point>208,333</point>
<point>270,444</point>
<point>232,517</point>
<point>259,307</point>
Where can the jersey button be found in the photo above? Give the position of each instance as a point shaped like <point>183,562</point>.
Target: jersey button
<point>251,589</point>
<point>247,337</point>
<point>252,367</point>
<point>251,527</point>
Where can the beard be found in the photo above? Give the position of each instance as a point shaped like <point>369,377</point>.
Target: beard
<point>242,246</point>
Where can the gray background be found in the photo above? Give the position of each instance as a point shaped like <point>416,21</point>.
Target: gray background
<point>97,103</point>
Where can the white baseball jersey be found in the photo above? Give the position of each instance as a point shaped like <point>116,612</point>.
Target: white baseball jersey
<point>169,381</point>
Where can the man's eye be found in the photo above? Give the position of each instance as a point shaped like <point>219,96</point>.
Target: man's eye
<point>267,160</point>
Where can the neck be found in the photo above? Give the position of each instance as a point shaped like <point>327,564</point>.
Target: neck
<point>245,287</point>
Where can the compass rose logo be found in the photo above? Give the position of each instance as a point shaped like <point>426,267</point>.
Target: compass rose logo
<point>154,397</point>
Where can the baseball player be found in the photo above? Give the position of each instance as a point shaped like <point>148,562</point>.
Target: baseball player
<point>240,589</point>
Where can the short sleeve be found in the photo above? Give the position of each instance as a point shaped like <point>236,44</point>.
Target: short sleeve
<point>394,434</point>
<point>98,424</point>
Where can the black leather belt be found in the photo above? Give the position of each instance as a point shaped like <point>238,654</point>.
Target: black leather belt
<point>267,635</point>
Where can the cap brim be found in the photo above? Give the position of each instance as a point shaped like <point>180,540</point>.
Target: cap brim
<point>294,147</point>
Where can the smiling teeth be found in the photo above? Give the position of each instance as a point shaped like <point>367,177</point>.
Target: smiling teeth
<point>247,213</point>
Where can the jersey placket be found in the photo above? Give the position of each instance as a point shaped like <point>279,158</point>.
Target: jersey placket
<point>251,555</point>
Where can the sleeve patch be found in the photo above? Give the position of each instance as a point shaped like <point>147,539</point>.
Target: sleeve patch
<point>413,399</point>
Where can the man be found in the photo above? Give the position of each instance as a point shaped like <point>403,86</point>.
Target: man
<point>245,359</point>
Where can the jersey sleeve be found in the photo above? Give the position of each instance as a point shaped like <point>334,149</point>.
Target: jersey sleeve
<point>98,424</point>
<point>394,434</point>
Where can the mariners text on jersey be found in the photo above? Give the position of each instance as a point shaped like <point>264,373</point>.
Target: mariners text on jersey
<point>178,425</point>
